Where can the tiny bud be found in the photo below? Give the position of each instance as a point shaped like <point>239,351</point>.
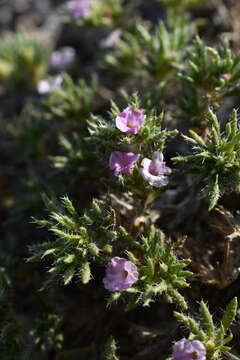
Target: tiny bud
<point>93,249</point>
<point>210,345</point>
<point>107,249</point>
<point>226,77</point>
<point>111,235</point>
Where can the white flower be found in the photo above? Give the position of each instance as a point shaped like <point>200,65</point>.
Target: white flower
<point>46,86</point>
<point>154,171</point>
<point>111,40</point>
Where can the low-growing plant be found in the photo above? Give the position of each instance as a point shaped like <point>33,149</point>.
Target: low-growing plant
<point>76,154</point>
<point>94,13</point>
<point>71,101</point>
<point>215,160</point>
<point>136,235</point>
<point>23,62</point>
<point>161,273</point>
<point>150,136</point>
<point>79,240</point>
<point>92,237</point>
<point>209,75</point>
<point>154,54</point>
<point>47,333</point>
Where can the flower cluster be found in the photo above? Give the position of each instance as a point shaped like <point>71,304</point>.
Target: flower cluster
<point>153,171</point>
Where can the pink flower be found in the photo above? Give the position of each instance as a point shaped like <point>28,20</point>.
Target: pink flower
<point>63,57</point>
<point>79,8</point>
<point>122,162</point>
<point>153,171</point>
<point>121,274</point>
<point>130,120</point>
<point>189,350</point>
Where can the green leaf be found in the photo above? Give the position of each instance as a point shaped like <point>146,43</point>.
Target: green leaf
<point>48,252</point>
<point>69,259</point>
<point>110,350</point>
<point>68,275</point>
<point>230,314</point>
<point>206,319</point>
<point>197,138</point>
<point>214,194</point>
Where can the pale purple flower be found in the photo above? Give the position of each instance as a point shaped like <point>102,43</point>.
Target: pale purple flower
<point>122,162</point>
<point>111,40</point>
<point>79,8</point>
<point>189,350</point>
<point>154,171</point>
<point>130,120</point>
<point>63,57</point>
<point>46,86</point>
<point>120,275</point>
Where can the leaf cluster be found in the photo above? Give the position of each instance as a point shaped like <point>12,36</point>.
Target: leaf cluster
<point>151,135</point>
<point>213,70</point>
<point>161,273</point>
<point>47,333</point>
<point>110,350</point>
<point>23,61</point>
<point>151,54</point>
<point>78,240</point>
<point>76,155</point>
<point>71,101</point>
<point>123,60</point>
<point>12,343</point>
<point>215,160</point>
<point>215,338</point>
<point>106,13</point>
<point>164,49</point>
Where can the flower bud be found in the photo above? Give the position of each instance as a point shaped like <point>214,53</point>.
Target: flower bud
<point>107,249</point>
<point>93,249</point>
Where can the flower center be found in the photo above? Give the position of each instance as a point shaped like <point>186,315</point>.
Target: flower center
<point>130,125</point>
<point>153,171</point>
<point>125,274</point>
<point>194,355</point>
<point>156,168</point>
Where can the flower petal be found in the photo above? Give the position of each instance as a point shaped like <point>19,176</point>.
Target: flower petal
<point>146,163</point>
